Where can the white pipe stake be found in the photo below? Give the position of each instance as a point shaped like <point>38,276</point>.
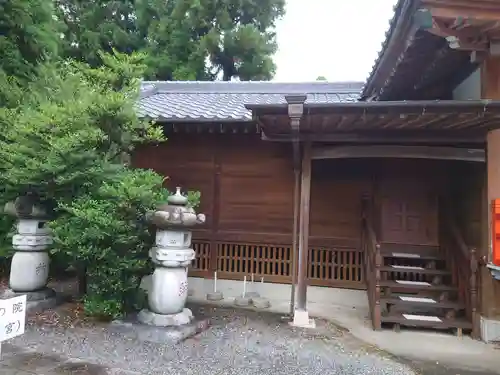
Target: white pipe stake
<point>244,286</point>
<point>215,282</point>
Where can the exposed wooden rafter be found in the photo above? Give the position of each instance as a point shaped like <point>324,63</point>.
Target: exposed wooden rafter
<point>480,10</point>
<point>466,25</point>
<point>465,39</point>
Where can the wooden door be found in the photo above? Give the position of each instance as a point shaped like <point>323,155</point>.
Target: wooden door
<point>409,211</point>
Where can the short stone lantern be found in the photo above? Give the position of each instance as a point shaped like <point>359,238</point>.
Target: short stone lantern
<point>29,270</point>
<point>171,255</point>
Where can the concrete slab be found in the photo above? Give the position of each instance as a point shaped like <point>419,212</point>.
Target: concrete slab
<point>349,309</point>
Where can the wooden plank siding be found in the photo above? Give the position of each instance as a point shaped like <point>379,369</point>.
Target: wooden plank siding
<point>246,190</point>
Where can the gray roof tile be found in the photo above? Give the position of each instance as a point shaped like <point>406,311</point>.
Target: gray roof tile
<point>225,101</point>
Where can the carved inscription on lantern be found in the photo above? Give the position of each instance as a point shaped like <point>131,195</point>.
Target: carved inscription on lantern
<point>169,238</point>
<point>41,267</point>
<point>183,288</point>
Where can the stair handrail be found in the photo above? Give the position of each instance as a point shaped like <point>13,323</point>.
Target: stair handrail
<point>373,262</point>
<point>470,254</point>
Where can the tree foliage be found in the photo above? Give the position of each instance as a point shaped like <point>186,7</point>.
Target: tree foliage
<point>64,147</point>
<point>240,38</point>
<point>183,39</point>
<point>28,35</point>
<point>71,130</point>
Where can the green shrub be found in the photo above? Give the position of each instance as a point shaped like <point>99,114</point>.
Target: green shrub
<point>7,229</point>
<point>108,233</point>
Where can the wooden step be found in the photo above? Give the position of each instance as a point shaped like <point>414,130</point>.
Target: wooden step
<point>415,285</point>
<point>428,321</point>
<point>408,255</point>
<point>418,301</point>
<point>414,269</point>
<point>411,251</point>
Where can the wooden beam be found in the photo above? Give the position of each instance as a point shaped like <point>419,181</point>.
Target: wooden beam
<point>387,138</point>
<point>405,152</point>
<point>305,201</point>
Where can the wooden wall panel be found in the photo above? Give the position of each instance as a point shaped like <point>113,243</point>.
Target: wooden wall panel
<point>337,188</point>
<point>469,201</point>
<point>253,207</point>
<point>256,186</point>
<point>187,161</point>
<point>469,195</point>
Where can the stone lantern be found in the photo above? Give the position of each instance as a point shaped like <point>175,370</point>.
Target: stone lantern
<point>29,270</point>
<point>171,255</point>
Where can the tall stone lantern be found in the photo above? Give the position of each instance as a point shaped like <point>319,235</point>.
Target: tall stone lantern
<point>29,270</point>
<point>171,255</point>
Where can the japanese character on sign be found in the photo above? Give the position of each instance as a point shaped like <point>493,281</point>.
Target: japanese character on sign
<point>17,308</point>
<point>9,328</point>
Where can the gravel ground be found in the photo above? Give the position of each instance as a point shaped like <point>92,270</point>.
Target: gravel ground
<point>238,342</point>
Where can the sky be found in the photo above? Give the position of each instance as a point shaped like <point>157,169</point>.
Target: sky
<point>337,39</point>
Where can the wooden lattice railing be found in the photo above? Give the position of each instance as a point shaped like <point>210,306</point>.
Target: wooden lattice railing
<point>336,267</point>
<point>373,262</point>
<point>272,262</point>
<point>327,266</point>
<point>201,264</point>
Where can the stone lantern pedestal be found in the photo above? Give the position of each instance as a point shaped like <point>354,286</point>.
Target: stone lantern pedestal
<point>171,256</point>
<point>29,270</point>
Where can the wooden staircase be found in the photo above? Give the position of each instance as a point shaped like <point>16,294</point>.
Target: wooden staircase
<point>421,286</point>
<point>417,289</point>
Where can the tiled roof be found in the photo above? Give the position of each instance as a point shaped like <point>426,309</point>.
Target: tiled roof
<point>225,101</point>
<point>403,11</point>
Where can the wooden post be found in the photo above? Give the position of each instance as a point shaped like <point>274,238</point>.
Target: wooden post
<point>489,288</point>
<point>215,210</point>
<point>305,193</point>
<point>295,112</point>
<point>296,205</point>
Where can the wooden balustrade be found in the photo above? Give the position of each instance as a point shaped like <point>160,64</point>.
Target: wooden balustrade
<point>373,262</point>
<point>464,266</point>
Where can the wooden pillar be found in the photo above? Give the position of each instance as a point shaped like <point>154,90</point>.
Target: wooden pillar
<point>295,234</point>
<point>489,288</point>
<point>301,316</point>
<point>215,209</point>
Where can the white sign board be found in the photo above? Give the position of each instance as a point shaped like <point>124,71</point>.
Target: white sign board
<point>12,317</point>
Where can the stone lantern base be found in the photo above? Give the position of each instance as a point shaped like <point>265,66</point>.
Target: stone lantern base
<point>157,334</point>
<point>36,301</point>
<point>149,317</point>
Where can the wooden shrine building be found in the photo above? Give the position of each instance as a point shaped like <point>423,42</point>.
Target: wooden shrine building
<point>385,185</point>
